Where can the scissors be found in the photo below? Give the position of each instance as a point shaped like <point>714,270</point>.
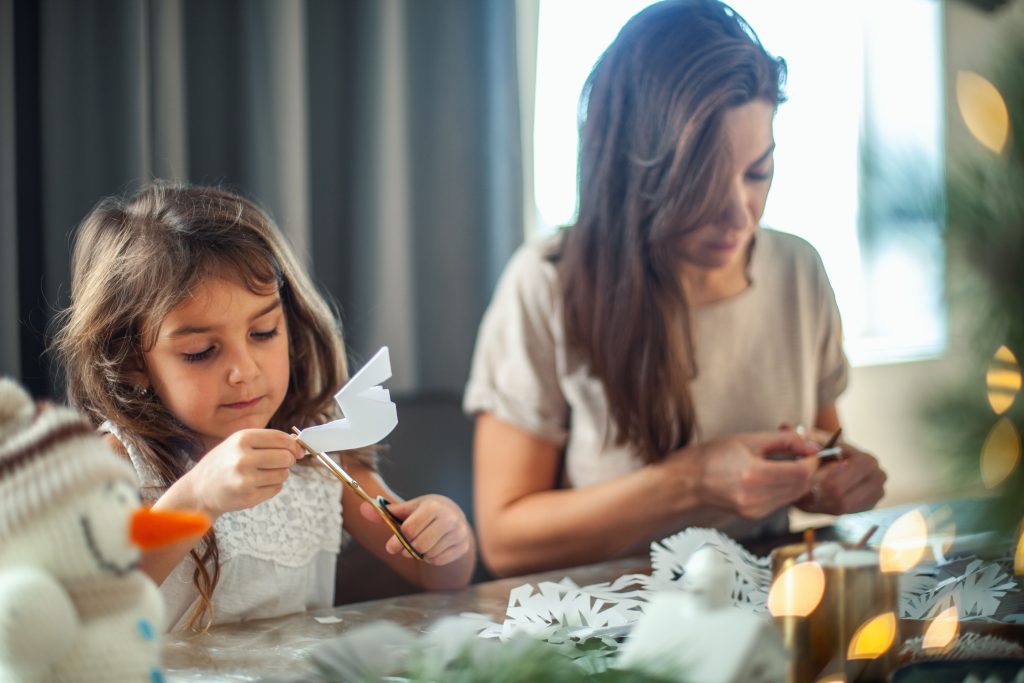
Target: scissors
<point>380,504</point>
<point>830,453</point>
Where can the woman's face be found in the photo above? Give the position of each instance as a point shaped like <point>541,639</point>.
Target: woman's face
<point>722,243</point>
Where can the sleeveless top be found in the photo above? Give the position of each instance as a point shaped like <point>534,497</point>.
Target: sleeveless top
<point>276,558</point>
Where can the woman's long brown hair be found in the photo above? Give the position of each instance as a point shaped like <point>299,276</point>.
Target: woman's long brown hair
<point>135,260</point>
<point>652,167</point>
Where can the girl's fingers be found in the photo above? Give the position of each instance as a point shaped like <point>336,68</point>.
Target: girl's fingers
<point>369,512</point>
<point>449,554</point>
<point>273,458</point>
<point>271,477</point>
<point>271,439</point>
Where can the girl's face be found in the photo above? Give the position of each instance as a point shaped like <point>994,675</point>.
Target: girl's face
<point>722,244</point>
<point>220,361</point>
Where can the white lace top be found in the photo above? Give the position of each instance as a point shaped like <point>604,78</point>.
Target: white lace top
<point>278,557</point>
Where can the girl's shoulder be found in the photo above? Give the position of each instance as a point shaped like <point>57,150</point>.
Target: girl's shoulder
<point>151,481</point>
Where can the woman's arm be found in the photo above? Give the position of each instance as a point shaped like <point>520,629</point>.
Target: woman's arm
<point>433,524</point>
<point>526,523</point>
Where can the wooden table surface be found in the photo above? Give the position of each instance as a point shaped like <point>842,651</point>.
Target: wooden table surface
<point>280,647</point>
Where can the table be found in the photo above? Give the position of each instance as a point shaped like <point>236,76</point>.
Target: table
<point>281,646</point>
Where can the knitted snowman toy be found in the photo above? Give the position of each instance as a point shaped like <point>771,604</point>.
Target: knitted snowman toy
<point>73,606</point>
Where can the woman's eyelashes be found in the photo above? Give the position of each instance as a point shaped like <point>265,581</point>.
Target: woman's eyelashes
<point>205,354</point>
<point>759,176</point>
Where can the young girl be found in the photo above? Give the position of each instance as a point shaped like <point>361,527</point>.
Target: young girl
<point>196,340</point>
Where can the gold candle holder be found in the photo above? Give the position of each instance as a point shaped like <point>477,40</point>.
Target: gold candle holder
<point>843,637</point>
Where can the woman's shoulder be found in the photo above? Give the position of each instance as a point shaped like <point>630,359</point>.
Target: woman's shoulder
<point>784,252</point>
<point>535,258</point>
<point>531,275</point>
<point>786,245</point>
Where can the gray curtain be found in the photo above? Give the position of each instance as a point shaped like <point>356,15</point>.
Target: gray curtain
<point>383,135</point>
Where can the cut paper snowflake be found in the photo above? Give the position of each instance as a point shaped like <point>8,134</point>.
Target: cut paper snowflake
<point>752,577</point>
<point>550,610</point>
<point>982,590</point>
<point>977,593</point>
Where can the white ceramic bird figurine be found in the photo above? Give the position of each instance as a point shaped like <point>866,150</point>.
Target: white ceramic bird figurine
<point>73,605</point>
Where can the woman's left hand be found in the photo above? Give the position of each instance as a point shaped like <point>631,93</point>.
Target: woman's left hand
<point>434,525</point>
<point>853,484</point>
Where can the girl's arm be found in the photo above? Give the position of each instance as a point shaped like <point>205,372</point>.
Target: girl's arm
<point>527,524</point>
<point>433,524</point>
<point>160,562</point>
<point>245,469</point>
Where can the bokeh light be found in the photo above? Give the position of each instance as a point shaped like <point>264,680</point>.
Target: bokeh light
<point>797,591</point>
<point>983,110</point>
<point>1018,557</point>
<point>904,542</point>
<point>1000,453</point>
<point>873,638</point>
<point>1003,379</point>
<point>942,631</point>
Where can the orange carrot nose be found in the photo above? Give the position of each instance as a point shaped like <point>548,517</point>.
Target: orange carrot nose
<point>154,528</point>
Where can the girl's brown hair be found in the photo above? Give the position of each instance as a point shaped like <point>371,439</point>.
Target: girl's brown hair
<point>652,167</point>
<point>134,261</point>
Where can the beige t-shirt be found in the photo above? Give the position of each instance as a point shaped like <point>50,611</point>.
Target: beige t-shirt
<point>770,354</point>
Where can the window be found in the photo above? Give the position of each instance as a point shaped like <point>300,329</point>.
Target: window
<point>858,161</point>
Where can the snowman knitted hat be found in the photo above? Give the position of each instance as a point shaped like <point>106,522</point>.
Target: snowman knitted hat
<point>47,453</point>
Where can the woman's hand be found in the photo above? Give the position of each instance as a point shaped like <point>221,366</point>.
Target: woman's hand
<point>245,469</point>
<point>853,484</point>
<point>434,525</point>
<point>736,474</point>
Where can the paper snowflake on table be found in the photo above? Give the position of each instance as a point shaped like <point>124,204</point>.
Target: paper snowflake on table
<point>550,611</point>
<point>554,611</point>
<point>751,579</point>
<point>967,646</point>
<point>977,593</point>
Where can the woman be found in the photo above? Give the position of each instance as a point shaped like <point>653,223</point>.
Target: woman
<point>631,371</point>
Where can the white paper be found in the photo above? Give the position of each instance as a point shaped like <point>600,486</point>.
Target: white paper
<point>556,611</point>
<point>370,415</point>
<point>562,610</point>
<point>329,620</point>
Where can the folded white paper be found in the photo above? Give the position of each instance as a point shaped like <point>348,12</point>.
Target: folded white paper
<point>370,415</point>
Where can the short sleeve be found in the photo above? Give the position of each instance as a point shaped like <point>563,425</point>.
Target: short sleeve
<point>515,371</point>
<point>833,373</point>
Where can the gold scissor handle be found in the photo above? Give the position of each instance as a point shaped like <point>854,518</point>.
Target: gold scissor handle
<point>379,504</point>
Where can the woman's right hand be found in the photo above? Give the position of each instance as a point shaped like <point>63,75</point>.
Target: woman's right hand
<point>245,469</point>
<point>736,474</point>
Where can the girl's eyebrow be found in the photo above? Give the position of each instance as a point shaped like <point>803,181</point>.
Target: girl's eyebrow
<point>186,330</point>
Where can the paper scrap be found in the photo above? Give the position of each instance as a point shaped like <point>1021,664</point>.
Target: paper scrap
<point>329,620</point>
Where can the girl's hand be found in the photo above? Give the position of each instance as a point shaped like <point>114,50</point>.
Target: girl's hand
<point>737,475</point>
<point>244,470</point>
<point>434,525</point>
<point>853,484</point>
